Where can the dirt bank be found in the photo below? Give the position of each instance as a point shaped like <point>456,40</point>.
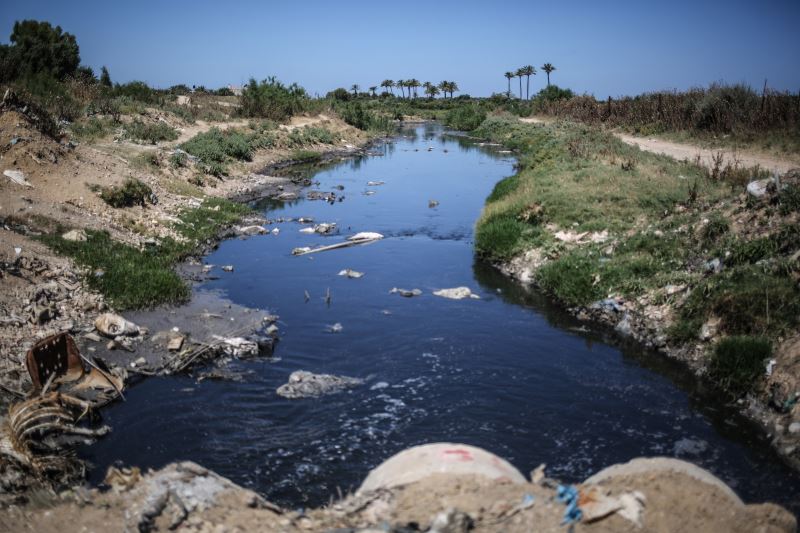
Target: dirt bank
<point>642,495</point>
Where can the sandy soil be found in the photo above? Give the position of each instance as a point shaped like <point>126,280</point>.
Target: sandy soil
<point>691,152</point>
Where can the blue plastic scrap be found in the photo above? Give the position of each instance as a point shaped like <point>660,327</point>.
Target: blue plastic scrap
<point>568,495</point>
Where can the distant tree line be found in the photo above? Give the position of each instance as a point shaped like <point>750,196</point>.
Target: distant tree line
<point>527,71</point>
<point>408,89</point>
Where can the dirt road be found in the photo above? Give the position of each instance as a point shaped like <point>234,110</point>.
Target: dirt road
<point>691,152</point>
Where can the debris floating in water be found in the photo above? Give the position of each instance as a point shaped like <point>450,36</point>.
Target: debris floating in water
<point>457,293</point>
<point>351,273</point>
<point>406,292</point>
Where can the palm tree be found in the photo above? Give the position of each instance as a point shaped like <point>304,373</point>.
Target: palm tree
<point>519,73</point>
<point>548,68</point>
<point>372,90</point>
<point>453,88</point>
<point>355,88</point>
<point>430,89</point>
<point>509,76</point>
<point>413,83</point>
<point>528,71</point>
<point>388,84</point>
<point>402,84</point>
<point>443,86</point>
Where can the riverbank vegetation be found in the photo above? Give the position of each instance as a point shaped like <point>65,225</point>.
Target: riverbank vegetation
<point>608,220</point>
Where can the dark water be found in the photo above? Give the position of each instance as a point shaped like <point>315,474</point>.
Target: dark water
<point>508,372</point>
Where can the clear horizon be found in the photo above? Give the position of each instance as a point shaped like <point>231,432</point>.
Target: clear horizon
<point>625,49</point>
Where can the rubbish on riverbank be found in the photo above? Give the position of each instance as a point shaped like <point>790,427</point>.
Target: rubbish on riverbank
<point>364,237</point>
<point>353,274</point>
<point>375,183</point>
<point>250,230</point>
<point>336,328</point>
<point>568,495</point>
<point>18,177</point>
<point>405,292</point>
<point>457,293</point>
<point>237,346</point>
<point>113,325</point>
<point>595,505</point>
<point>175,343</point>
<point>75,235</point>
<point>304,384</point>
<point>432,203</point>
<point>227,268</point>
<point>53,359</point>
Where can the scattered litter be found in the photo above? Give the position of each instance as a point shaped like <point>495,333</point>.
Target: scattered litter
<point>227,268</point>
<point>272,330</point>
<point>405,292</point>
<point>433,203</point>
<point>275,231</point>
<point>175,343</point>
<point>307,230</point>
<point>237,346</point>
<point>538,474</point>
<point>457,293</point>
<point>18,177</point>
<point>325,228</point>
<point>303,384</point>
<point>368,193</point>
<point>594,505</point>
<point>351,273</point>
<point>568,495</point>
<point>307,296</point>
<point>375,183</point>
<point>770,366</point>
<point>336,328</point>
<point>305,220</point>
<point>112,325</point>
<point>359,238</point>
<point>75,235</point>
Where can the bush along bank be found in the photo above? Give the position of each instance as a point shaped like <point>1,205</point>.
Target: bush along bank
<point>701,264</point>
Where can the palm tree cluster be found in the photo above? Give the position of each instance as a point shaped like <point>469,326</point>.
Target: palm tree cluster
<point>527,71</point>
<point>409,88</point>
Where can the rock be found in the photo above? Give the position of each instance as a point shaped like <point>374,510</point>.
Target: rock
<point>251,230</point>
<point>113,325</point>
<point>457,293</point>
<point>272,329</point>
<point>405,292</point>
<point>75,235</point>
<point>624,327</point>
<point>794,428</point>
<point>303,384</point>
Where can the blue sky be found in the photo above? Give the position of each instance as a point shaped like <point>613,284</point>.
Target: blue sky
<point>603,48</point>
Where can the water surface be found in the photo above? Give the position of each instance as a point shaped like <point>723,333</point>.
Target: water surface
<point>509,372</point>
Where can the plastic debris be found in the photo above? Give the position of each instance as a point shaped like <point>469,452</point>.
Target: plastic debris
<point>307,230</point>
<point>365,236</point>
<point>301,250</point>
<point>375,183</point>
<point>75,235</point>
<point>275,231</point>
<point>770,366</point>
<point>18,177</point>
<point>227,268</point>
<point>351,273</point>
<point>303,384</point>
<point>568,495</point>
<point>336,328</point>
<point>432,203</point>
<point>457,293</point>
<point>237,346</point>
<point>405,292</point>
<point>112,325</point>
<point>595,505</point>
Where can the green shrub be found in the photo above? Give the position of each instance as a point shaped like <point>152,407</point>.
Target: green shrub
<point>717,227</point>
<point>151,133</point>
<point>178,160</point>
<point>737,363</point>
<point>271,99</point>
<point>789,200</point>
<point>132,192</point>
<point>500,237</point>
<point>571,278</point>
<point>92,128</point>
<point>139,91</point>
<point>355,114</point>
<point>465,118</point>
<point>216,147</point>
<point>305,156</point>
<point>309,135</point>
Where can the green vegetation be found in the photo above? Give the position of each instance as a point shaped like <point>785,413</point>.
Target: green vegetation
<point>215,148</point>
<point>151,133</point>
<point>38,49</point>
<point>273,100</point>
<point>465,117</point>
<point>92,128</point>
<point>132,192</point>
<point>133,278</point>
<point>357,115</point>
<point>309,135</point>
<point>738,362</point>
<point>305,156</point>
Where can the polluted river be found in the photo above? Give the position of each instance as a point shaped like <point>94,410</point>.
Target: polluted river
<point>506,370</point>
